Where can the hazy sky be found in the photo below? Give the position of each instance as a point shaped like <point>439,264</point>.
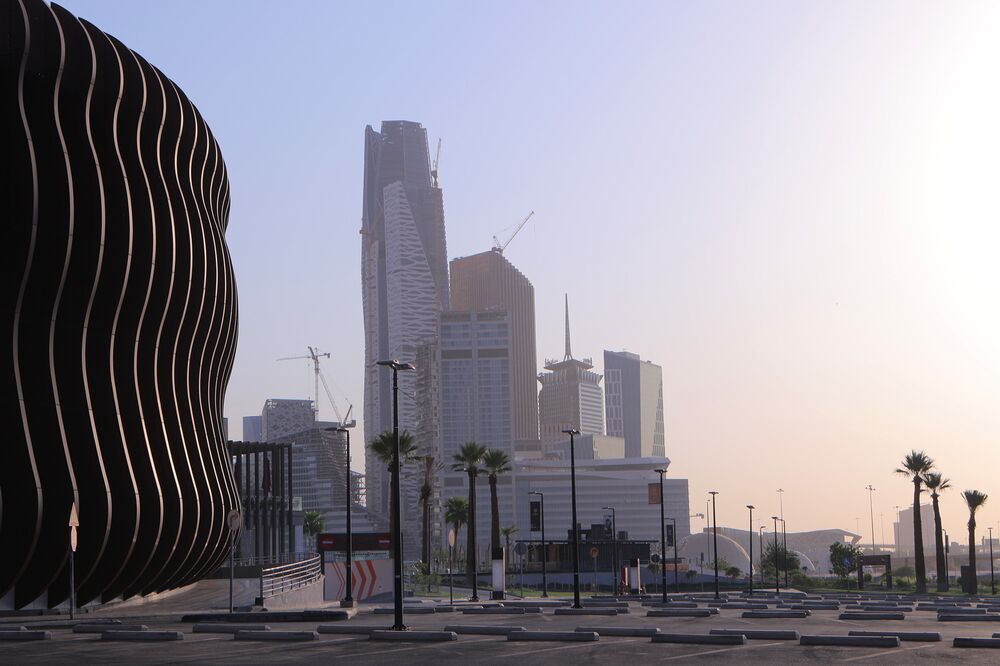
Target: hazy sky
<point>790,206</point>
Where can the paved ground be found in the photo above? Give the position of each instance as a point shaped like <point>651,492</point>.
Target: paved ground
<point>68,648</point>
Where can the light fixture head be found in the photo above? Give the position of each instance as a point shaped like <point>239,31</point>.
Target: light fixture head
<point>660,471</point>
<point>571,431</point>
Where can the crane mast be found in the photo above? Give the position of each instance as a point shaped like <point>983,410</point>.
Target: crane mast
<point>315,355</point>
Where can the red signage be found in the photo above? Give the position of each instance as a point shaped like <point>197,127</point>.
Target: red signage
<point>364,541</point>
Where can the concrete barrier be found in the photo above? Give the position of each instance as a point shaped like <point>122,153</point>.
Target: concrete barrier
<point>493,610</point>
<point>976,642</point>
<point>586,611</point>
<point>537,604</point>
<point>682,612</point>
<point>227,627</point>
<point>670,604</point>
<point>567,636</point>
<point>742,606</point>
<point>26,635</point>
<point>871,615</point>
<point>101,628</point>
<point>963,611</point>
<point>276,635</point>
<point>412,636</point>
<point>318,615</point>
<point>357,629</point>
<point>643,632</point>
<point>851,641</point>
<point>142,636</point>
<point>774,614</point>
<point>920,636</point>
<point>958,617</point>
<point>604,604</point>
<point>760,634</point>
<point>482,629</point>
<point>415,610</point>
<point>14,628</point>
<point>701,639</point>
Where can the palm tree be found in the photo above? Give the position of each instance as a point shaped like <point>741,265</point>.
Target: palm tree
<point>915,465</point>
<point>428,470</point>
<point>507,532</point>
<point>384,448</point>
<point>456,512</point>
<point>495,462</point>
<point>312,524</point>
<point>974,499</point>
<point>467,460</point>
<point>936,483</point>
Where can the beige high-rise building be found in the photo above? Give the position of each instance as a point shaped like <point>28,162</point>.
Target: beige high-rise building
<point>487,281</point>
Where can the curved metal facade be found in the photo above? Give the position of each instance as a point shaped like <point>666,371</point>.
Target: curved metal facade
<point>120,319</point>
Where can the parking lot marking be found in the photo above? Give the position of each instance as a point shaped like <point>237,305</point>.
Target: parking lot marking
<point>883,653</point>
<point>564,647</point>
<point>702,653</point>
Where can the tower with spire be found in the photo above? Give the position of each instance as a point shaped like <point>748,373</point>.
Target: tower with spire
<point>570,397</point>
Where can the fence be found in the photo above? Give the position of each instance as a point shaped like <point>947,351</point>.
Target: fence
<point>281,578</point>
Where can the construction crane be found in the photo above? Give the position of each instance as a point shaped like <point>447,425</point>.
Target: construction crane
<point>499,247</point>
<point>315,355</point>
<point>434,168</point>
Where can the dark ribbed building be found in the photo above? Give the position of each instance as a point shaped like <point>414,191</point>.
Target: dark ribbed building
<point>120,320</point>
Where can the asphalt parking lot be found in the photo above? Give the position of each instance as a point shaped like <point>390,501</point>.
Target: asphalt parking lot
<point>66,647</point>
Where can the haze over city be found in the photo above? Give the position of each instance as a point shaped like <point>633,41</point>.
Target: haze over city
<point>790,207</point>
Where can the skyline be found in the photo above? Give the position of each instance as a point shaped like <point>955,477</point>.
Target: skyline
<point>864,331</point>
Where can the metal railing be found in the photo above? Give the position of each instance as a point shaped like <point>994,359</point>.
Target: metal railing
<point>281,558</point>
<point>283,578</point>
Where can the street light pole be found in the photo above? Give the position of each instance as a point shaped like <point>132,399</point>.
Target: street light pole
<point>760,534</point>
<point>663,539</point>
<point>750,506</point>
<point>572,432</point>
<point>777,584</point>
<point>348,600</point>
<point>397,535</point>
<point>541,498</point>
<point>784,547</point>
<point>993,583</point>
<point>715,541</point>
<point>871,511</point>
<point>614,550</point>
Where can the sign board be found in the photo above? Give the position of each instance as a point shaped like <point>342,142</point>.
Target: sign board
<point>363,541</point>
<point>654,493</point>
<point>670,535</point>
<point>609,525</point>
<point>451,537</point>
<point>520,548</point>
<point>234,520</point>
<point>655,558</point>
<point>594,552</point>
<point>536,516</point>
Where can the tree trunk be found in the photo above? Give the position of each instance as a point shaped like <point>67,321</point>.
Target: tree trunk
<point>495,518</point>
<point>426,550</point>
<point>918,540</point>
<point>942,564</point>
<point>972,555</point>
<point>470,540</point>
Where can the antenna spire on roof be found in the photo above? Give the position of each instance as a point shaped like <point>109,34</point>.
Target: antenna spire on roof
<point>569,352</point>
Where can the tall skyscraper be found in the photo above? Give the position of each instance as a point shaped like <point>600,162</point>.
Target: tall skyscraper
<point>571,396</point>
<point>404,278</point>
<point>633,391</point>
<point>476,400</point>
<point>487,281</point>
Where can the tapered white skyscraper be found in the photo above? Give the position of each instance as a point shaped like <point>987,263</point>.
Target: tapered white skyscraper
<point>404,280</point>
